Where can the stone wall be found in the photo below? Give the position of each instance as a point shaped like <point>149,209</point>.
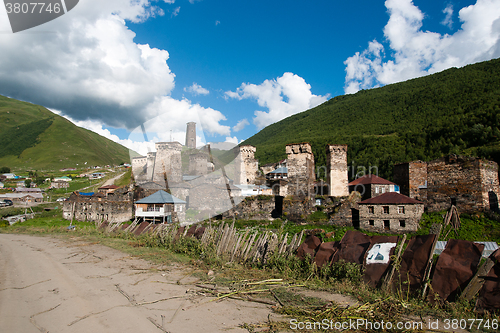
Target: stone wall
<point>301,171</point>
<point>168,162</point>
<point>412,179</point>
<point>454,180</point>
<point>397,221</point>
<point>490,184</point>
<point>469,183</point>
<point>336,164</point>
<point>258,207</point>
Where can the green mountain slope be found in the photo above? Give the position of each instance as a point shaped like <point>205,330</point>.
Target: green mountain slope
<point>454,111</point>
<point>33,137</point>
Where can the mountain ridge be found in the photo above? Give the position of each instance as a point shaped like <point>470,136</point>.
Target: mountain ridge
<point>453,111</point>
<point>32,137</point>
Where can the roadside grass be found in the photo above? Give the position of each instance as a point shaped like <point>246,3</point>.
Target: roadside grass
<point>340,278</point>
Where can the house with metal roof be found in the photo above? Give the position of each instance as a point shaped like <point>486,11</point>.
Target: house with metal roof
<point>371,186</point>
<point>280,173</point>
<point>161,207</point>
<point>390,212</point>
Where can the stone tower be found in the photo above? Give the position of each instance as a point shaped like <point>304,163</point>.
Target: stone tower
<point>336,166</point>
<point>246,165</point>
<point>300,164</point>
<point>139,167</point>
<point>191,135</point>
<point>168,162</point>
<point>151,157</point>
<point>198,164</point>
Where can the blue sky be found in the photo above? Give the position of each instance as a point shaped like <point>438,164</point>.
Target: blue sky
<point>233,67</point>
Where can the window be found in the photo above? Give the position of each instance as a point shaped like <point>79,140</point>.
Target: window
<point>402,223</point>
<point>401,209</point>
<point>381,189</point>
<point>376,189</point>
<point>386,209</point>
<point>371,210</point>
<point>387,225</point>
<point>371,222</point>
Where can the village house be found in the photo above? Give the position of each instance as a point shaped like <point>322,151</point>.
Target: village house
<point>96,207</point>
<point>390,212</point>
<point>108,189</point>
<point>23,197</point>
<point>280,173</point>
<point>371,186</point>
<point>161,207</point>
<point>59,184</point>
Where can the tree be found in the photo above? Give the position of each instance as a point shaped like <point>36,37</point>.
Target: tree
<point>4,170</point>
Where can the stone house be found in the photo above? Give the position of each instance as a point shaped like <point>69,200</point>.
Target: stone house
<point>469,183</point>
<point>108,189</point>
<point>96,207</point>
<point>161,207</point>
<point>390,212</point>
<point>371,186</point>
<point>59,184</point>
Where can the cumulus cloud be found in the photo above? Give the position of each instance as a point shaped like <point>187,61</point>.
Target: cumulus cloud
<point>232,140</point>
<point>86,64</point>
<point>283,97</point>
<point>196,89</point>
<point>414,53</point>
<point>241,125</point>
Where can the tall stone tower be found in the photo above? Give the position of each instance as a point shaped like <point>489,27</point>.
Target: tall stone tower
<point>336,166</point>
<point>168,162</point>
<point>246,165</point>
<point>151,157</point>
<point>191,135</point>
<point>300,164</point>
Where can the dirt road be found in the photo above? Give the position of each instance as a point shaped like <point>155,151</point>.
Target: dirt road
<point>54,285</point>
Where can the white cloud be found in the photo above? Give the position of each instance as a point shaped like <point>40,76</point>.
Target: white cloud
<point>232,140</point>
<point>448,20</point>
<point>272,94</point>
<point>217,22</point>
<point>241,125</point>
<point>196,89</point>
<point>89,67</point>
<point>176,11</point>
<point>417,53</point>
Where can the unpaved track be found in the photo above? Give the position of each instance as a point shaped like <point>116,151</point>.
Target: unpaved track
<point>54,285</point>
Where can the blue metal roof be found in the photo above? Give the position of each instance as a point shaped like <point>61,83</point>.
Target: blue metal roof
<point>161,197</point>
<point>280,170</point>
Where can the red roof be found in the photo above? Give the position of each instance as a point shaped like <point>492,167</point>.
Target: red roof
<point>370,179</point>
<point>109,187</point>
<point>389,198</point>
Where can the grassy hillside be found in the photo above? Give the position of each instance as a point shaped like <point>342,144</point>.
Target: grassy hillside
<point>455,111</point>
<point>33,137</point>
